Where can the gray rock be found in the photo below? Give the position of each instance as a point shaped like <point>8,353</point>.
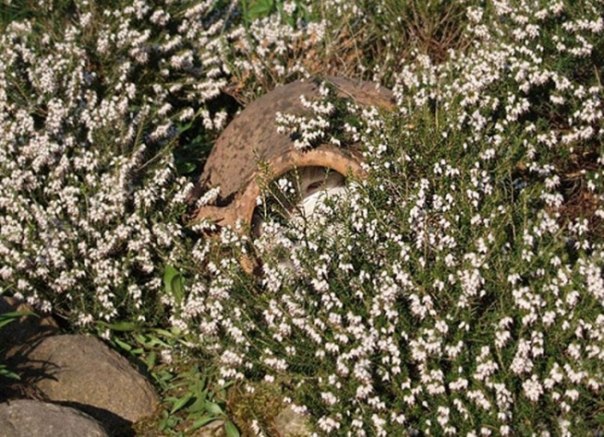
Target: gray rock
<point>27,418</point>
<point>26,328</point>
<point>82,372</point>
<point>288,423</point>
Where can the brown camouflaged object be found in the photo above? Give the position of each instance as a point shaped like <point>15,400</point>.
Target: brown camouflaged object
<point>252,140</point>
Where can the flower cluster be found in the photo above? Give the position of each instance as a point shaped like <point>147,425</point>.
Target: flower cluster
<point>100,120</point>
<point>458,289</point>
<point>458,292</point>
<point>308,131</point>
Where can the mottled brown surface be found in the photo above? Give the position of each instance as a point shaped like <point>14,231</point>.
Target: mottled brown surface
<point>291,424</point>
<point>242,208</point>
<point>27,418</point>
<point>252,138</point>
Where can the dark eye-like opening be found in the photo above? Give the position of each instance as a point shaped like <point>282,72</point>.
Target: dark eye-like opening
<point>285,196</point>
<point>314,187</point>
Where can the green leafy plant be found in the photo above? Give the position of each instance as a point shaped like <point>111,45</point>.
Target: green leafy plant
<point>5,319</point>
<point>197,403</point>
<point>258,9</point>
<point>254,9</point>
<point>174,284</point>
<point>190,399</point>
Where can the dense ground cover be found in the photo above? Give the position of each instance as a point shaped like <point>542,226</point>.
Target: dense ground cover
<point>459,289</point>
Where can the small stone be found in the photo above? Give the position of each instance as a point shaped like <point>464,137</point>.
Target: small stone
<point>288,423</point>
<point>82,372</point>
<point>27,418</point>
<point>212,429</point>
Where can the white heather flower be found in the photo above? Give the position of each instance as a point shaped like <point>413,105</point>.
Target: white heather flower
<point>328,424</point>
<point>532,388</point>
<point>289,7</point>
<point>209,197</point>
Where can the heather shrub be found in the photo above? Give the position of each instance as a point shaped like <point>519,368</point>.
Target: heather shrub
<point>457,289</point>
<point>104,111</point>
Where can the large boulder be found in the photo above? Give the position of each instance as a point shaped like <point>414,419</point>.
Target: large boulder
<point>27,418</point>
<point>82,372</point>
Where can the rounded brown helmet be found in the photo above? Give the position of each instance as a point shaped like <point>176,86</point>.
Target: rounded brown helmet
<point>251,147</point>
